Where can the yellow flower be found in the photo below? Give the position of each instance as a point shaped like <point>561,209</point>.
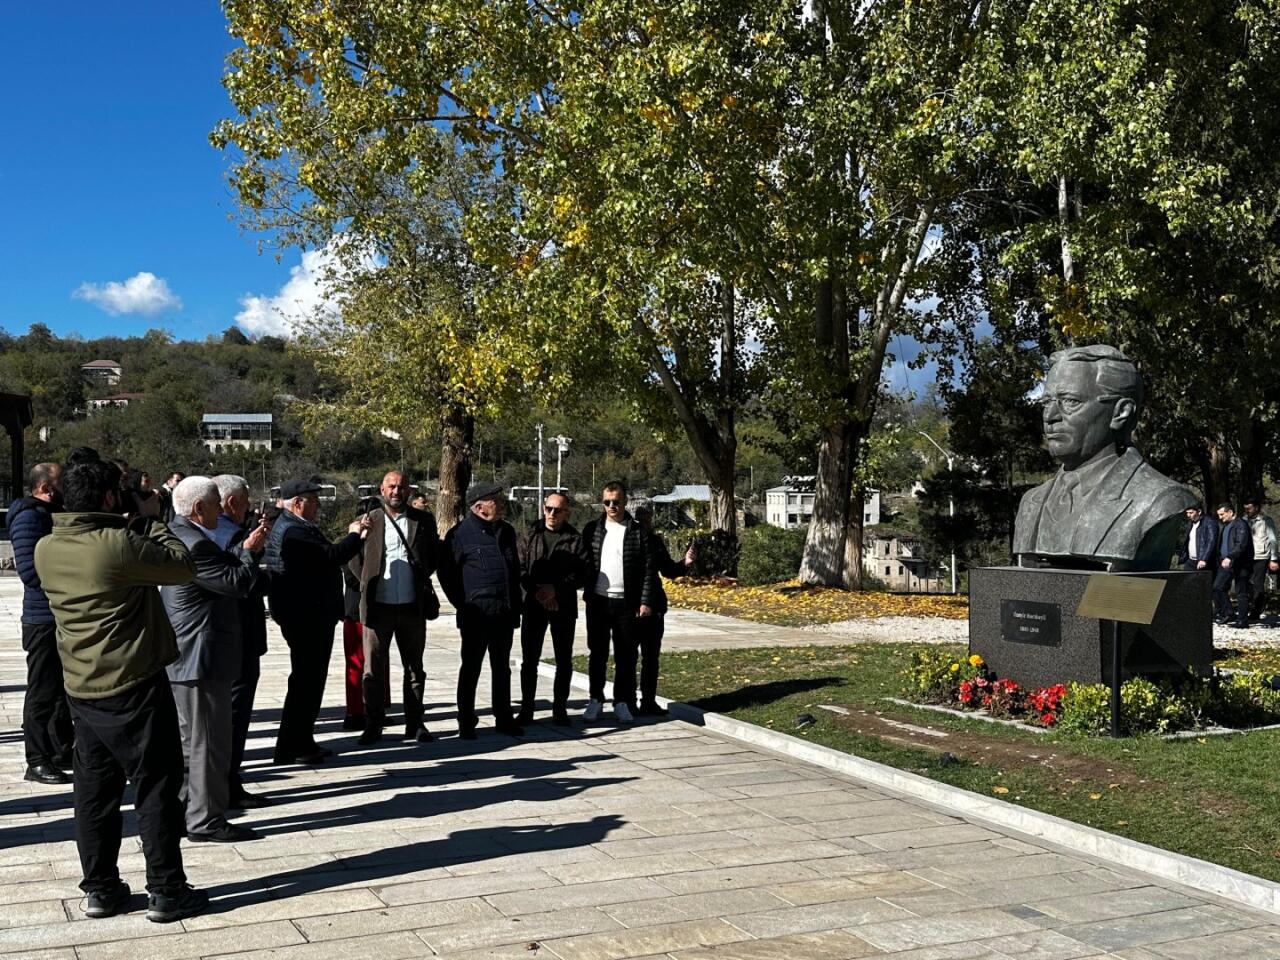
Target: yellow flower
<point>955,668</point>
<point>975,660</point>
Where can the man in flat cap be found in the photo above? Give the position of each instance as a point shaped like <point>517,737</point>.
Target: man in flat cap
<point>480,573</point>
<point>306,601</point>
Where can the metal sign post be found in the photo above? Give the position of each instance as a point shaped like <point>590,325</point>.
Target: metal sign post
<point>1119,599</point>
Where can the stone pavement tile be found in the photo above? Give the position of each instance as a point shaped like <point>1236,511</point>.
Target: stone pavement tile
<point>929,836</point>
<point>931,931</point>
<point>819,916</point>
<point>33,913</point>
<point>772,853</point>
<point>1041,945</point>
<point>539,927</point>
<point>67,934</point>
<point>669,938</point>
<point>693,906</point>
<point>176,944</point>
<point>856,809</point>
<point>1112,904</point>
<point>386,919</point>
<point>655,865</point>
<point>287,908</point>
<point>528,860</point>
<point>578,895</point>
<point>733,878</point>
<point>806,892</point>
<point>933,902</point>
<point>777,833</point>
<point>25,873</point>
<point>1150,928</point>
<point>807,789</point>
<point>945,951</point>
<point>975,869</point>
<point>1256,943</point>
<point>695,842</point>
<point>401,945</point>
<point>868,826</point>
<point>736,822</point>
<point>824,945</point>
<point>700,757</point>
<point>54,953</point>
<point>450,887</point>
<point>1067,884</point>
<point>845,865</point>
<point>923,857</point>
<point>34,890</point>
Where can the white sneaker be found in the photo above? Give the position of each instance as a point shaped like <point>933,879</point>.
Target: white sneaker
<point>592,713</point>
<point>622,712</point>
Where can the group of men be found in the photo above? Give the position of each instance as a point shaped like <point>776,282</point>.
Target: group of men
<point>1240,552</point>
<point>128,683</point>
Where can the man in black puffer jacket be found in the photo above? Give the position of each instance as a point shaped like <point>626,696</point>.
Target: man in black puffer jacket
<point>46,719</point>
<point>480,573</point>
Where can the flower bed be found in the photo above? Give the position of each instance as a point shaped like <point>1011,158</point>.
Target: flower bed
<point>1186,703</point>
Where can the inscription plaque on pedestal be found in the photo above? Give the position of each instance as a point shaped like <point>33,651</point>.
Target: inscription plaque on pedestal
<point>1028,621</point>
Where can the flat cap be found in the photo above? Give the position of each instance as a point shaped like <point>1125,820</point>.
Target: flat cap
<point>296,488</point>
<point>482,491</point>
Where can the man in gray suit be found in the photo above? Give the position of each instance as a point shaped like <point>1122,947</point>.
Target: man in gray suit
<point>205,615</point>
<point>1106,508</point>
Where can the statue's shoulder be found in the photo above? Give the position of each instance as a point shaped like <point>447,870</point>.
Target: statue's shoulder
<point>1162,496</point>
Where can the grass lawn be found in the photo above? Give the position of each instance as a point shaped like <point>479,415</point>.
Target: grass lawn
<point>1216,798</point>
<point>789,604</point>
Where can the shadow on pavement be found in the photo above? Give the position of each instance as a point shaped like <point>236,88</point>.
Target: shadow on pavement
<point>760,693</point>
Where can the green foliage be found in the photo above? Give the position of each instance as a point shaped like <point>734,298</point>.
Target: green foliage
<point>769,554</point>
<point>934,676</point>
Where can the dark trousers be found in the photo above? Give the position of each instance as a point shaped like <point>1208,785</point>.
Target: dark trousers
<point>483,634</point>
<point>1258,589</point>
<point>242,693</point>
<point>1239,573</point>
<point>533,631</point>
<point>404,622</point>
<point>46,718</point>
<point>613,619</point>
<point>651,631</point>
<point>310,646</point>
<point>131,736</point>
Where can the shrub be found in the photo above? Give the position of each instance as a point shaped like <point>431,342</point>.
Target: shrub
<point>938,678</point>
<point>1245,700</point>
<point>1004,699</point>
<point>717,551</point>
<point>1086,708</point>
<point>769,554</point>
<point>1045,704</point>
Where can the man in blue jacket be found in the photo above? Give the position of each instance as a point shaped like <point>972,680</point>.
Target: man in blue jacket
<point>46,719</point>
<point>1235,547</point>
<point>1199,547</point>
<point>480,573</point>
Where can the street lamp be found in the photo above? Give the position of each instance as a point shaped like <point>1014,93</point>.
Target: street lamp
<point>951,500</point>
<point>562,447</point>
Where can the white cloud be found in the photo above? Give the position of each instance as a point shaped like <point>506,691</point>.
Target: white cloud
<point>143,293</point>
<point>304,294</point>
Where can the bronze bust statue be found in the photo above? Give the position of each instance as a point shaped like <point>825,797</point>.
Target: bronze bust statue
<point>1106,508</point>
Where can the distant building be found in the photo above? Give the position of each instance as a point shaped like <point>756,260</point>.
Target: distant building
<point>697,492</point>
<point>115,400</point>
<point>102,373</point>
<point>896,557</point>
<point>246,431</point>
<point>790,506</point>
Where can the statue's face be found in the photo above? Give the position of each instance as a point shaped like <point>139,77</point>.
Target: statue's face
<point>1077,424</point>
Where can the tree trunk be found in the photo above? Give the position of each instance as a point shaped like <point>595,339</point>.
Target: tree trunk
<point>457,437</point>
<point>1219,486</point>
<point>826,546</point>
<point>724,511</point>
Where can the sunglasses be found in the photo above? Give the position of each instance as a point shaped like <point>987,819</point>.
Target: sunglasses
<point>554,509</point>
<point>612,503</point>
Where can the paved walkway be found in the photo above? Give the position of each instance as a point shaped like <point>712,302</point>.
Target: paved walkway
<point>654,841</point>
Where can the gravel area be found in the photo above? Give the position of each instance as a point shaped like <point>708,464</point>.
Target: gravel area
<point>899,630</point>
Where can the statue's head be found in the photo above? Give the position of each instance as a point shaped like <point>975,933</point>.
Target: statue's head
<point>1092,398</point>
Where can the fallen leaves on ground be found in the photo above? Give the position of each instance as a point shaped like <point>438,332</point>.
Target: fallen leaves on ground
<point>791,604</point>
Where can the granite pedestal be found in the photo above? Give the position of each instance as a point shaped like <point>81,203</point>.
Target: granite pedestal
<point>1023,623</point>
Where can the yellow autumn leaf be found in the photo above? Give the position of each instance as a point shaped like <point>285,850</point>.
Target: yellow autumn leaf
<point>999,789</point>
<point>1095,796</point>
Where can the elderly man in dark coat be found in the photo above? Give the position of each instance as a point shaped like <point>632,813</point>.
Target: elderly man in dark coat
<point>205,615</point>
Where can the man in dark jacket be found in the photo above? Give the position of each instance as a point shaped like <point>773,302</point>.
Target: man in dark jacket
<point>620,590</point>
<point>306,601</point>
<point>480,574</point>
<point>652,628</point>
<point>1235,547</point>
<point>46,719</point>
<point>393,570</point>
<point>115,641</point>
<point>553,562</point>
<point>205,616</point>
<point>235,526</point>
<point>1199,549</point>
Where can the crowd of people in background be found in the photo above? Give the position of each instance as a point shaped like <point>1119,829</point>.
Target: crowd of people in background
<point>144,624</point>
<point>1240,552</point>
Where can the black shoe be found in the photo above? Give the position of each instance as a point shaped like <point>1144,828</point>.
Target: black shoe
<point>227,833</point>
<point>248,801</point>
<point>467,733</point>
<point>651,710</point>
<point>525,716</point>
<point>419,733</point>
<point>109,902</point>
<point>306,757</point>
<point>46,773</point>
<point>353,723</point>
<point>370,736</point>
<point>168,907</point>
<point>510,728</point>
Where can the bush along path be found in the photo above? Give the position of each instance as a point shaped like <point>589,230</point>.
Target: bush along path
<point>1212,797</point>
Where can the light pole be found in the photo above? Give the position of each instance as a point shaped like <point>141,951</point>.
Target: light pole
<point>951,499</point>
<point>562,447</point>
<point>541,495</point>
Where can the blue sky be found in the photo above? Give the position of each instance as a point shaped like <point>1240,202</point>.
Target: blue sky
<point>107,173</point>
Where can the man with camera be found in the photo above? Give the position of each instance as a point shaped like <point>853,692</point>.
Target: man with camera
<point>114,640</point>
<point>393,570</point>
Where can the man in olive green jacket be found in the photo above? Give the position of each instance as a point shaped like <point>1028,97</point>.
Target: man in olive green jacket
<point>114,641</point>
